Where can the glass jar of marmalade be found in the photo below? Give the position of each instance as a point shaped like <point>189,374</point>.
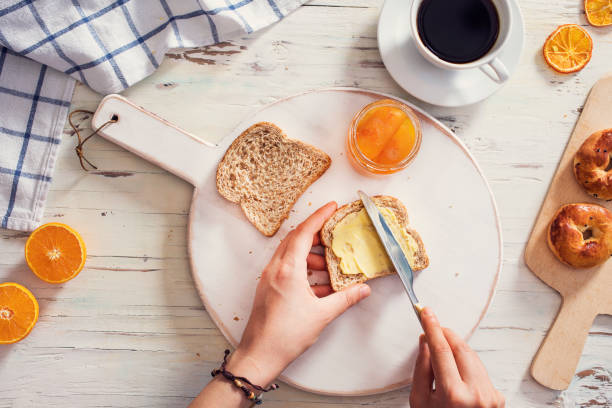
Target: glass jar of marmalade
<point>384,137</point>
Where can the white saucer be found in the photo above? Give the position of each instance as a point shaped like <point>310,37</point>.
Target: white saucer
<point>427,82</point>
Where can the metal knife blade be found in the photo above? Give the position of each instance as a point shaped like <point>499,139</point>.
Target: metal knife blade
<point>393,249</point>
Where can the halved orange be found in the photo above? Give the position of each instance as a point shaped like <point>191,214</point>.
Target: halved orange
<point>18,312</point>
<point>55,252</point>
<point>568,48</point>
<point>598,12</point>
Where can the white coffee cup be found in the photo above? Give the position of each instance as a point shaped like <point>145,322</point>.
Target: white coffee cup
<point>489,63</point>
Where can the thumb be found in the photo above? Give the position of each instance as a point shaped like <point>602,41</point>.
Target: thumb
<point>337,303</point>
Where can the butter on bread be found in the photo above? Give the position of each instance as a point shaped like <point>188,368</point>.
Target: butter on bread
<point>265,172</point>
<point>340,280</point>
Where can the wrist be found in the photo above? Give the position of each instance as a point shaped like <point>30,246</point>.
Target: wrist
<point>250,365</point>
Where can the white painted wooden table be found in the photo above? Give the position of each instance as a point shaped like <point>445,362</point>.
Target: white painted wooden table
<point>131,330</point>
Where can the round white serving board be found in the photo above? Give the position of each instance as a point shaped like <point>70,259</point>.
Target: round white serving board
<point>372,347</point>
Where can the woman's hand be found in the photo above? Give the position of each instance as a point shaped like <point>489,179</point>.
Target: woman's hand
<point>288,314</point>
<point>461,379</point>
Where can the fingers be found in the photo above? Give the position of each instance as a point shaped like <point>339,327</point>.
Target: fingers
<point>314,223</point>
<point>302,238</point>
<point>315,262</point>
<point>473,372</point>
<point>442,358</point>
<point>501,399</point>
<point>469,365</point>
<point>316,240</point>
<point>338,302</point>
<point>322,290</point>
<point>422,380</point>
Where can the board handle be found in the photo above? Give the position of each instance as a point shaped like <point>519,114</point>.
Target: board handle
<point>153,138</point>
<point>555,362</point>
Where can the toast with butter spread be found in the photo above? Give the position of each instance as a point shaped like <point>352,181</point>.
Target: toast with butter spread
<point>353,251</point>
<point>265,172</point>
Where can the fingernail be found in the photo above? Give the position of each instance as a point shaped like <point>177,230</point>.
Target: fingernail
<point>364,291</point>
<point>426,312</point>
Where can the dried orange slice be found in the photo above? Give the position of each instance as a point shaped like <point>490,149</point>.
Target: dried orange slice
<point>55,252</point>
<point>568,48</point>
<point>598,12</point>
<point>18,312</point>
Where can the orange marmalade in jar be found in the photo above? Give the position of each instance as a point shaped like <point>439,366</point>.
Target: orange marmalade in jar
<point>384,137</point>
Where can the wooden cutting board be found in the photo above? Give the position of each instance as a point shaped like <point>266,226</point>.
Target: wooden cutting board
<point>585,292</point>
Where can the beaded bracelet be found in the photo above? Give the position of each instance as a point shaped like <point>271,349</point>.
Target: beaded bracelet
<point>239,382</point>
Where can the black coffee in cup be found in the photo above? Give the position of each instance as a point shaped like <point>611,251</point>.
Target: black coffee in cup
<point>458,31</point>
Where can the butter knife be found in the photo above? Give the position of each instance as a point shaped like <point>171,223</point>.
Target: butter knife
<point>393,249</point>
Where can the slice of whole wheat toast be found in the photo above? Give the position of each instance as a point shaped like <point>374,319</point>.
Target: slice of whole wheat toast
<point>338,280</point>
<point>266,172</point>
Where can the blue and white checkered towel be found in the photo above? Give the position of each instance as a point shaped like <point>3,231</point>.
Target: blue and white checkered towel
<point>107,45</point>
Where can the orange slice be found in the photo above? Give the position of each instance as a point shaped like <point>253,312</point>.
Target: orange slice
<point>568,48</point>
<point>18,312</point>
<point>598,12</point>
<point>376,128</point>
<point>399,146</point>
<point>55,252</point>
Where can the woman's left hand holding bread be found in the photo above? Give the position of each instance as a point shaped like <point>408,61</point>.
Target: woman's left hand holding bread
<point>288,314</point>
